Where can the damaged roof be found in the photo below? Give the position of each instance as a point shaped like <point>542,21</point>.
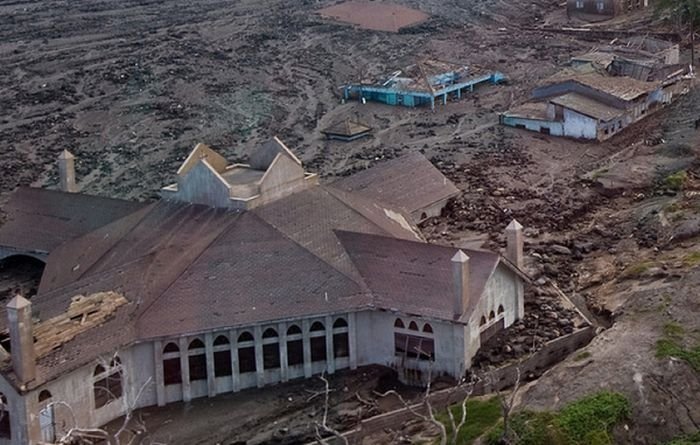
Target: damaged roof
<point>394,182</point>
<point>587,106</point>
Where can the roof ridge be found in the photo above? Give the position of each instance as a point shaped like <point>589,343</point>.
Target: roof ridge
<point>277,229</point>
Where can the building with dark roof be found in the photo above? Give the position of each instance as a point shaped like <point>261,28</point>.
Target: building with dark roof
<point>241,276</point>
<point>347,131</point>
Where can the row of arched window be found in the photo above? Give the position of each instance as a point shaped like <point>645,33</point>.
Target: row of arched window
<point>245,351</point>
<point>413,343</point>
<point>492,316</point>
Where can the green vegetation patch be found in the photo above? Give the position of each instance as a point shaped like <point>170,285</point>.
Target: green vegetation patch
<point>637,269</point>
<point>583,355</point>
<point>677,180</point>
<point>691,259</point>
<point>482,415</point>
<point>672,345</point>
<point>588,421</point>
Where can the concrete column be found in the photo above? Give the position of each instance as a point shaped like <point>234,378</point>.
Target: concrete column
<point>235,372</point>
<point>259,362</point>
<point>24,416</point>
<point>432,103</point>
<point>66,172</point>
<point>460,280</point>
<point>352,340</point>
<point>444,99</point>
<point>20,325</point>
<point>282,329</point>
<point>459,93</point>
<point>330,359</point>
<point>185,370</point>
<point>209,353</point>
<point>306,340</point>
<point>515,243</point>
<point>158,360</point>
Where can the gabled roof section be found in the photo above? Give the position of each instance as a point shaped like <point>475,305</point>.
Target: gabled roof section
<point>415,277</point>
<point>262,157</point>
<point>410,183</point>
<point>39,220</point>
<point>203,152</point>
<point>346,128</point>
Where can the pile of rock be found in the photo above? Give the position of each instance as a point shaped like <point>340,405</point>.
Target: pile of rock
<point>545,319</point>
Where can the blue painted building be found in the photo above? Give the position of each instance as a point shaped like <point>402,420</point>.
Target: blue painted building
<point>425,83</point>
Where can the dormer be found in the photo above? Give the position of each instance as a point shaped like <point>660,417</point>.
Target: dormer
<point>206,178</point>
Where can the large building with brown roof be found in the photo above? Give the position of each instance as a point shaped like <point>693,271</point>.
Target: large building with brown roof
<point>240,276</point>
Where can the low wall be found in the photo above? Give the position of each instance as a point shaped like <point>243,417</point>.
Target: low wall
<point>502,378</point>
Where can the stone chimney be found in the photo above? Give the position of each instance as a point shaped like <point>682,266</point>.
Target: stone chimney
<point>514,243</point>
<point>460,277</point>
<point>66,172</point>
<point>19,316</point>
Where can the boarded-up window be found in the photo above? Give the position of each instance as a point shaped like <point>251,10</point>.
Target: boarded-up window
<point>413,346</point>
<point>108,383</point>
<point>295,346</point>
<point>172,373</point>
<point>222,357</point>
<point>341,346</point>
<point>271,349</point>
<point>197,360</point>
<point>318,349</point>
<point>246,353</point>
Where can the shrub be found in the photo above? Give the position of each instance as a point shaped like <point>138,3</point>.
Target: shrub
<point>677,180</point>
<point>482,415</point>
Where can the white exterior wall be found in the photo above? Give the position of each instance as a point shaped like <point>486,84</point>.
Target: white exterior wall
<point>579,126</point>
<point>19,415</point>
<point>555,128</point>
<point>503,288</point>
<point>376,342</point>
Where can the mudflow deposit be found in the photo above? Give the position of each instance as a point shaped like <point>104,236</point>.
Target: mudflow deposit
<point>131,86</point>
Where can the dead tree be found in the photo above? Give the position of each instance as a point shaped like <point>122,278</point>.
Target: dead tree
<point>323,425</point>
<point>507,403</point>
<point>125,435</point>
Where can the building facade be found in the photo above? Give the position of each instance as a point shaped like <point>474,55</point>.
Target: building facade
<point>195,296</point>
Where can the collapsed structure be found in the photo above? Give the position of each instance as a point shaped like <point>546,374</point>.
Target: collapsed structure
<point>604,91</point>
<point>241,276</point>
<point>421,84</point>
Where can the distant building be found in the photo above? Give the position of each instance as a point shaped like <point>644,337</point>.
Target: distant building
<point>598,10</point>
<point>241,276</point>
<point>347,131</point>
<point>422,84</point>
<point>604,92</point>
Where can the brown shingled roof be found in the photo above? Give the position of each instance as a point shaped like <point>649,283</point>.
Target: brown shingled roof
<point>415,277</point>
<point>394,182</point>
<point>38,220</point>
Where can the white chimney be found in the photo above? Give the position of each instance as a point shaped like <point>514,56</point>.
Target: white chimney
<point>514,243</point>
<point>66,172</point>
<point>19,317</point>
<point>460,277</point>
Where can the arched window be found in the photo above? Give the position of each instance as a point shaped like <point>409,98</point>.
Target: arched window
<point>171,347</point>
<point>427,328</point>
<point>413,326</point>
<point>107,385</point>
<point>341,343</point>
<point>197,360</point>
<point>483,321</point>
<point>246,353</point>
<point>317,326</point>
<point>500,309</point>
<point>295,346</point>
<point>172,373</point>
<point>222,357</point>
<point>318,342</point>
<point>44,395</point>
<point>492,315</point>
<point>271,349</point>
<point>4,418</point>
<point>399,324</point>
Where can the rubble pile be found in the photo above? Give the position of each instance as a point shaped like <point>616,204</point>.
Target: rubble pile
<point>545,319</point>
